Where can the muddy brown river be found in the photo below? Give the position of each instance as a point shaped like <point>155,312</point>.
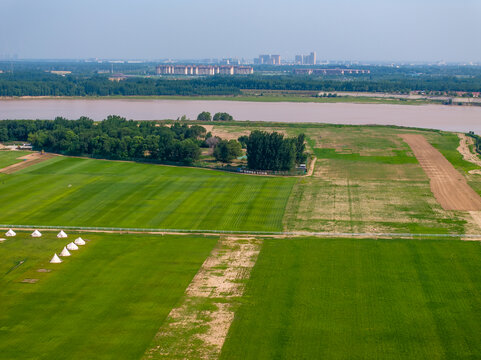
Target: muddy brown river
<point>451,118</point>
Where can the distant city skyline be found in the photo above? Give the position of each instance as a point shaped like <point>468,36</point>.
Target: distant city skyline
<point>372,30</point>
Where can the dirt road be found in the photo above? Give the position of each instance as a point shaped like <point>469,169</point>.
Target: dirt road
<point>447,184</point>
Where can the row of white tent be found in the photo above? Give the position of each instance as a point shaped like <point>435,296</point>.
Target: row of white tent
<point>73,246</point>
<point>61,235</point>
<point>36,233</point>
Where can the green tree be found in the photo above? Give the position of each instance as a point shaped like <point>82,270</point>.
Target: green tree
<point>243,140</point>
<point>204,116</point>
<point>226,151</point>
<point>223,116</point>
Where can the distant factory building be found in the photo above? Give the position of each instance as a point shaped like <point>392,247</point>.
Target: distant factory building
<point>117,77</point>
<point>331,71</point>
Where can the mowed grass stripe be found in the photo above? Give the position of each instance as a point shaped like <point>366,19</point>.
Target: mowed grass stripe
<point>8,158</point>
<point>85,192</point>
<point>107,301</point>
<point>345,299</point>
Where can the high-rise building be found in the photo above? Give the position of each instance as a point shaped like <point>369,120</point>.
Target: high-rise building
<point>276,59</point>
<point>268,59</point>
<point>265,59</point>
<point>306,59</point>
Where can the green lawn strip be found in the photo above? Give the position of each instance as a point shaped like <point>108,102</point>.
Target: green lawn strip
<point>106,301</point>
<point>85,192</point>
<point>447,144</point>
<point>360,299</point>
<point>401,157</point>
<point>8,158</point>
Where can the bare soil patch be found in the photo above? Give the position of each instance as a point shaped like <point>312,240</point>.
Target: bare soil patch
<point>29,160</point>
<point>464,143</point>
<point>468,155</point>
<point>199,326</point>
<point>30,281</point>
<point>44,270</point>
<point>449,187</point>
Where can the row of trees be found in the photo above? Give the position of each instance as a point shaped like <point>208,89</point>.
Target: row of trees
<point>271,151</point>
<point>113,138</point>
<point>121,139</point>
<point>220,116</point>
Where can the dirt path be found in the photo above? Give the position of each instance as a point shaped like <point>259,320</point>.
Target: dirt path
<point>449,187</point>
<point>464,143</point>
<point>197,328</point>
<point>312,165</point>
<point>28,160</point>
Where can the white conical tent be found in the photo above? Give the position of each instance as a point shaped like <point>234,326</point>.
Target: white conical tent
<point>55,260</point>
<point>64,252</point>
<point>61,235</point>
<point>36,233</point>
<point>79,241</point>
<point>72,246</point>
<point>10,232</point>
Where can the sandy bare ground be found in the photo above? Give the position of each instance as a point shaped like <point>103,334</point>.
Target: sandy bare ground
<point>198,327</point>
<point>464,143</point>
<point>448,186</point>
<point>29,160</point>
<point>476,215</point>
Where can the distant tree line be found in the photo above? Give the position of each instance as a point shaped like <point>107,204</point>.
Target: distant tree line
<point>31,83</point>
<point>114,138</point>
<point>271,151</point>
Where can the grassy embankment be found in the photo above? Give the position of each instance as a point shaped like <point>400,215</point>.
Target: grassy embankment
<point>360,299</point>
<point>261,98</point>
<point>106,301</point>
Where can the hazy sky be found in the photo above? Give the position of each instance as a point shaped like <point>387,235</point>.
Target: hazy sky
<point>416,30</point>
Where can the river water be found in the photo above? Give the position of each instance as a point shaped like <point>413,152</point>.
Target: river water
<point>450,118</point>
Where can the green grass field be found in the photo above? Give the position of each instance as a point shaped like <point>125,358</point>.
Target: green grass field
<point>81,192</point>
<point>106,301</point>
<point>307,298</point>
<point>8,158</point>
<point>360,299</point>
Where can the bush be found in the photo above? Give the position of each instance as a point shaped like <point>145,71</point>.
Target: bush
<point>226,151</point>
